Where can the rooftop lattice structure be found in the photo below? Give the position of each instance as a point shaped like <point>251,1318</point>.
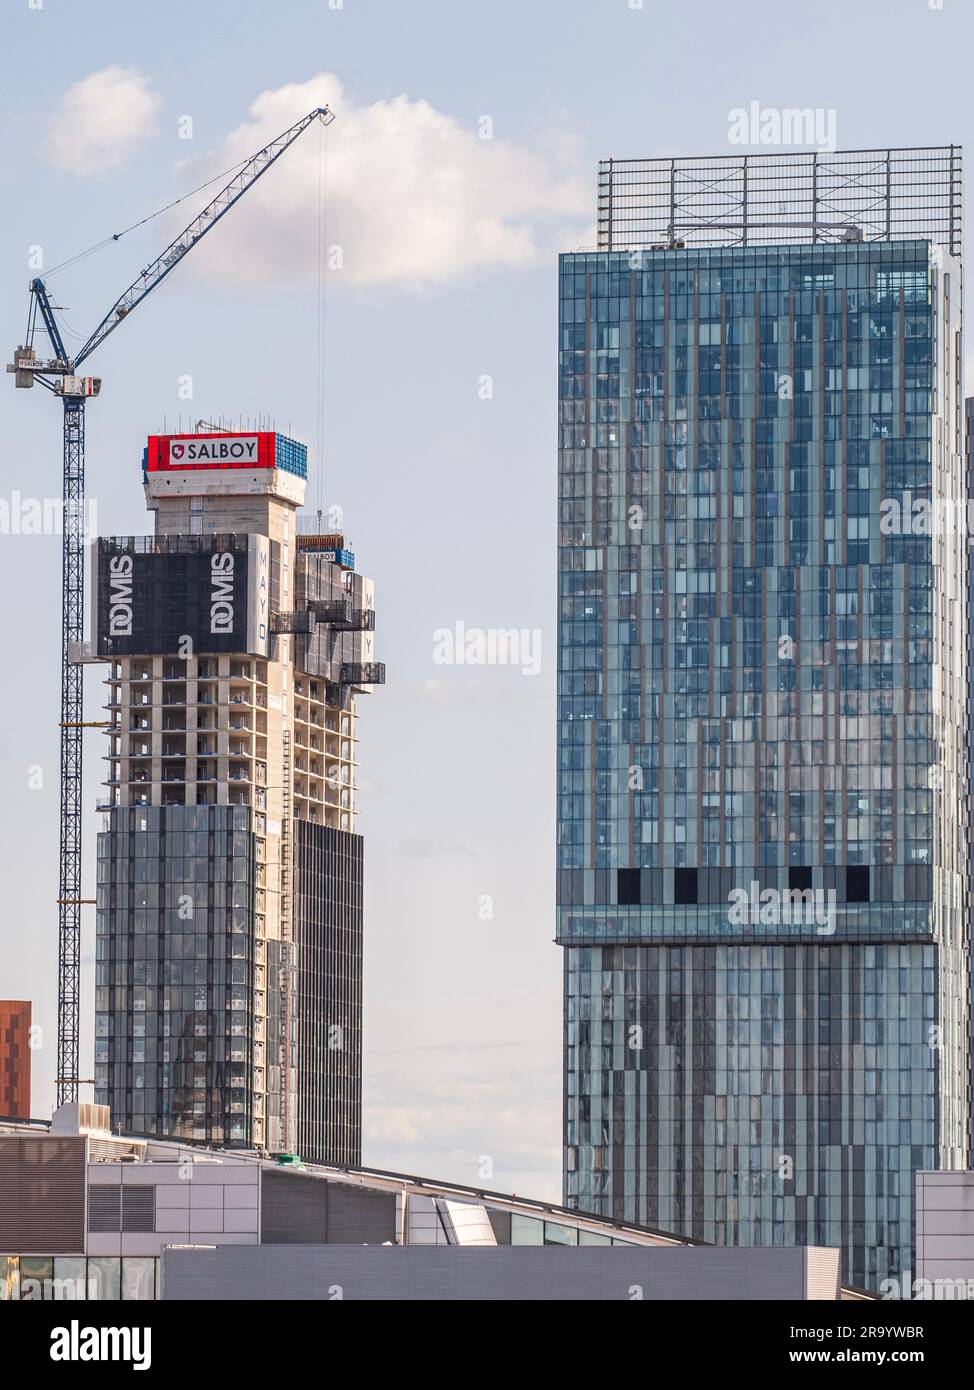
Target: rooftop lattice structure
<point>761,199</point>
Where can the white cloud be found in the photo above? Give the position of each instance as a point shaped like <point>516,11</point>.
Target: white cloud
<point>101,120</point>
<point>414,196</point>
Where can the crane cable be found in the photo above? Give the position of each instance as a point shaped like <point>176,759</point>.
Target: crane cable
<point>117,236</point>
<point>322,286</point>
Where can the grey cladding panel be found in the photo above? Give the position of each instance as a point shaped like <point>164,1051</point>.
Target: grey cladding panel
<point>357,1216</point>
<point>292,1209</point>
<point>507,1273</point>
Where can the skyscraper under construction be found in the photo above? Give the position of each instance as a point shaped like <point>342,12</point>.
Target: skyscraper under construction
<point>229,909</point>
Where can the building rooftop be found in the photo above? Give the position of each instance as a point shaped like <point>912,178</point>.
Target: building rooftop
<point>442,1213</point>
<point>798,196</point>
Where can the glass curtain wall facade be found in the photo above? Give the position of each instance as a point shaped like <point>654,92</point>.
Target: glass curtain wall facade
<point>176,971</point>
<point>762,823</point>
<point>328,922</point>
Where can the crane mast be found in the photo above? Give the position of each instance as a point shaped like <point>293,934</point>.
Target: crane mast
<point>59,375</point>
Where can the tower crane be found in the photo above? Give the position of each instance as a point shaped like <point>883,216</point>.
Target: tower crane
<point>59,373</point>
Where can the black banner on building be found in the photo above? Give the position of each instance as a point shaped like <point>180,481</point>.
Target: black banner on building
<point>179,594</point>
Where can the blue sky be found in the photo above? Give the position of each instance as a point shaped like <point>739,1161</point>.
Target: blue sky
<point>448,277</point>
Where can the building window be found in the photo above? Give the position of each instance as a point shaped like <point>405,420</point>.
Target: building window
<point>555,1233</point>
<point>104,1281</point>
<point>857,883</point>
<point>627,888</point>
<point>526,1230</point>
<point>799,877</point>
<point>685,887</point>
<point>100,1279</point>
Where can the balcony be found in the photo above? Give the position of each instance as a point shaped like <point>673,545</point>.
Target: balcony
<point>335,611</point>
<point>300,622</point>
<point>363,673</point>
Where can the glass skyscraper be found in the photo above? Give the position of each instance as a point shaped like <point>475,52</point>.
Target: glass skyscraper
<point>762,794</point>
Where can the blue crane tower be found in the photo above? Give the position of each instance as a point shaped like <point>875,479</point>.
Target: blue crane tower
<point>60,374</point>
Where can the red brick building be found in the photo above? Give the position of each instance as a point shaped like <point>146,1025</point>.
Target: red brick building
<point>15,1058</point>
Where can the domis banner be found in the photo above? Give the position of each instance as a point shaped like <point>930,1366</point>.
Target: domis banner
<point>152,593</point>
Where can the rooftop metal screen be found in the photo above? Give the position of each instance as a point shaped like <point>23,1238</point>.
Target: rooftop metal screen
<point>759,199</point>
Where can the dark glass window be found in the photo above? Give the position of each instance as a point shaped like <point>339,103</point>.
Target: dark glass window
<point>800,877</point>
<point>627,888</point>
<point>684,886</point>
<point>857,883</point>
